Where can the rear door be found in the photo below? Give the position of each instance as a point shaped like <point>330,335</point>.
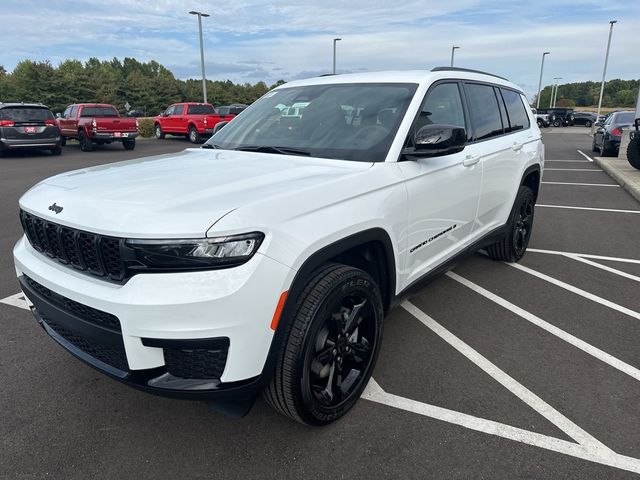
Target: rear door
<point>503,131</point>
<point>443,191</point>
<point>178,119</point>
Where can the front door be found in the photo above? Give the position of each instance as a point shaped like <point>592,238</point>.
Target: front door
<point>443,191</point>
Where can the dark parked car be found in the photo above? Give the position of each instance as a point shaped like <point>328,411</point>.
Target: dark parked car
<point>584,118</point>
<point>28,126</point>
<point>562,116</point>
<point>606,140</point>
<point>233,109</point>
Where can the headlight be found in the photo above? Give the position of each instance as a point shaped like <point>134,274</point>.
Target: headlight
<point>192,254</point>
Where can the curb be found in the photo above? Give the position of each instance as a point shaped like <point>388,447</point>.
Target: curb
<point>619,176</point>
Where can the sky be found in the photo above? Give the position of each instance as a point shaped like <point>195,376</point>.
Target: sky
<point>254,40</point>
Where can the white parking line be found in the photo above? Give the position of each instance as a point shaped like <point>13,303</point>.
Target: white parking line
<point>585,156</point>
<point>572,170</point>
<point>519,390</point>
<point>17,300</point>
<point>613,210</point>
<point>552,329</point>
<point>583,184</point>
<point>576,290</point>
<point>615,271</point>
<point>584,255</point>
<point>568,161</point>
<point>375,393</point>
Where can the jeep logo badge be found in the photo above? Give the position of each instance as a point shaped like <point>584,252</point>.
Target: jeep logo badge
<point>55,208</point>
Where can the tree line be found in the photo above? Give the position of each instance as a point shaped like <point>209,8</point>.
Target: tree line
<point>149,86</point>
<point>617,94</point>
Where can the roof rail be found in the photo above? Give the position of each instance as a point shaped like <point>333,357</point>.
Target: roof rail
<point>457,69</point>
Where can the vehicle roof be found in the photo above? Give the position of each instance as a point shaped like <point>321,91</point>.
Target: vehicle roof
<point>192,103</point>
<point>93,105</point>
<point>21,104</point>
<point>407,76</point>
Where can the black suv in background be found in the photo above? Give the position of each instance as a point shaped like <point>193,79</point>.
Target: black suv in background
<point>559,117</point>
<point>28,126</point>
<point>233,109</point>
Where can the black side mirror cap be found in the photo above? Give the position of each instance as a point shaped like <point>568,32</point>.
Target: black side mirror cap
<point>436,140</point>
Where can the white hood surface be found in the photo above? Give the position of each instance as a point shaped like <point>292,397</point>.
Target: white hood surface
<point>176,195</point>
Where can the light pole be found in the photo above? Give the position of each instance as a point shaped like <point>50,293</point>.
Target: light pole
<point>204,80</point>
<point>540,82</point>
<point>604,71</point>
<point>335,40</point>
<point>453,51</point>
<point>554,93</point>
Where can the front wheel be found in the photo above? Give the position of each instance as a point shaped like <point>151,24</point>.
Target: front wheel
<point>331,346</point>
<point>557,123</point>
<point>540,123</point>
<point>129,144</point>
<point>513,244</point>
<point>588,124</point>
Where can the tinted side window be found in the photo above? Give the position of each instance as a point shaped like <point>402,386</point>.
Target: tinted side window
<point>484,110</point>
<point>178,110</point>
<point>518,118</point>
<point>443,106</point>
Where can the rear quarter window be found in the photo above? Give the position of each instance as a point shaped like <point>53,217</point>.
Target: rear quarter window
<point>518,118</point>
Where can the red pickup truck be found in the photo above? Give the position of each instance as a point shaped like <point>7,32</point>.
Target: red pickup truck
<point>97,123</point>
<point>194,120</point>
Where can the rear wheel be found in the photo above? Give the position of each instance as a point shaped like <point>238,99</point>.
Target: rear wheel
<point>540,123</point>
<point>633,153</point>
<point>129,144</point>
<point>86,145</point>
<point>57,150</point>
<point>194,136</point>
<point>159,132</point>
<point>588,124</point>
<point>594,147</point>
<point>557,122</point>
<point>513,245</point>
<point>63,141</point>
<point>331,346</point>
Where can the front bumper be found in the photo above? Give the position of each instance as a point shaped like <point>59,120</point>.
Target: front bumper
<point>228,310</point>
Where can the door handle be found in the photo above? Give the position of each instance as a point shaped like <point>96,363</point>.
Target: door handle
<point>516,146</point>
<point>470,160</point>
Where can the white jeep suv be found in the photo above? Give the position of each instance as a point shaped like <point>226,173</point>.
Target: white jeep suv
<point>266,260</point>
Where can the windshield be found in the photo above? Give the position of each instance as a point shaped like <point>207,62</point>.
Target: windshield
<point>26,114</point>
<point>340,121</point>
<point>625,117</point>
<point>201,110</point>
<point>99,112</point>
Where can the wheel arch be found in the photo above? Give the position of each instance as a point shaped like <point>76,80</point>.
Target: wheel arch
<point>531,178</point>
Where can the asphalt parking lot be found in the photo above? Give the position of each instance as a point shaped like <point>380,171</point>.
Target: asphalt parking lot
<point>491,371</point>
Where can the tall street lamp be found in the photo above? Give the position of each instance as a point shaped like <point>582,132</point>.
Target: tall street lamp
<point>540,82</point>
<point>554,93</point>
<point>453,51</point>
<point>604,71</point>
<point>335,40</point>
<point>204,81</point>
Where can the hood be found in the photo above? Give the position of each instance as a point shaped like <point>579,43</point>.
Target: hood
<point>175,195</point>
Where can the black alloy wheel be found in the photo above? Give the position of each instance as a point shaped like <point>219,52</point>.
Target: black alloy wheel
<point>330,348</point>
<point>513,244</point>
<point>523,226</point>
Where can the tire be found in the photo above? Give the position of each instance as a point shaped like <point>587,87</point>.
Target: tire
<point>194,136</point>
<point>633,153</point>
<point>86,145</point>
<point>594,147</point>
<point>158,131</point>
<point>588,124</point>
<point>304,386</point>
<point>56,150</point>
<point>63,141</point>
<point>512,247</point>
<point>557,123</point>
<point>129,144</point>
<point>540,123</point>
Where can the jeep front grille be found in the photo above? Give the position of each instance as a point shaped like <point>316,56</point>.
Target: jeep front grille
<point>98,255</point>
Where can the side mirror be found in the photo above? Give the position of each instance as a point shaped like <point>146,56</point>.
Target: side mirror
<point>434,140</point>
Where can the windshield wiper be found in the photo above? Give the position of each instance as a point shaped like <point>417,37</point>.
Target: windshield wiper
<point>272,149</point>
<point>210,145</point>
